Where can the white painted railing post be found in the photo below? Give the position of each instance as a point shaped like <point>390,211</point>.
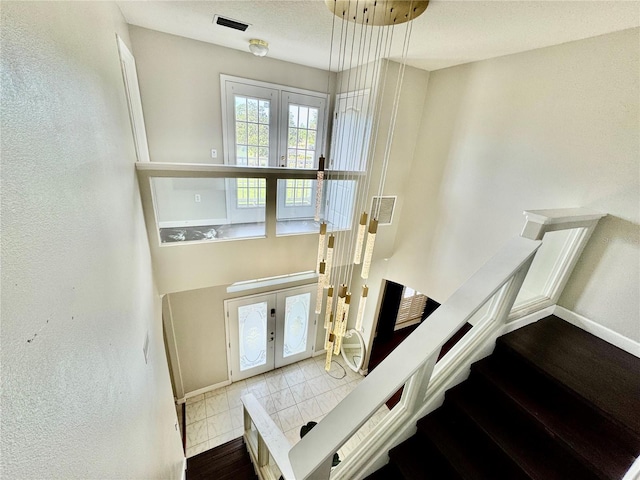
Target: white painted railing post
<point>323,472</point>
<point>416,388</point>
<point>263,452</point>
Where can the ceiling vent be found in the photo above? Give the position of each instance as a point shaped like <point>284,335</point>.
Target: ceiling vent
<point>228,22</point>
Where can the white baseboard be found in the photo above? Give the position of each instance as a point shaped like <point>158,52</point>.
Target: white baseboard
<point>184,469</point>
<point>599,331</point>
<point>195,393</point>
<point>319,352</point>
<point>528,319</point>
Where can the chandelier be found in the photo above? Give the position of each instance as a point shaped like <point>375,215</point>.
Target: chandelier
<point>363,38</point>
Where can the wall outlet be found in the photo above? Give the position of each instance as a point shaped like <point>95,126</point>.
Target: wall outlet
<point>197,198</point>
<point>214,153</point>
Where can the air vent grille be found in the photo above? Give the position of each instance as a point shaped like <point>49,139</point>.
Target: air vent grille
<point>384,210</point>
<point>228,22</point>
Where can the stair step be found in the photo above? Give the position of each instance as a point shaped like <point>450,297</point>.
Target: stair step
<point>533,451</point>
<point>574,426</point>
<point>600,373</point>
<point>417,459</point>
<point>465,450</point>
<point>229,461</point>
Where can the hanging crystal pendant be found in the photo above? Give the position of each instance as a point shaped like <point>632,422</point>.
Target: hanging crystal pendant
<point>361,306</point>
<point>320,293</point>
<point>319,182</point>
<point>321,244</point>
<point>329,345</point>
<point>362,228</point>
<point>368,251</point>
<point>329,308</point>
<point>342,325</point>
<point>329,260</point>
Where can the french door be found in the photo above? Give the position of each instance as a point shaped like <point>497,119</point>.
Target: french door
<point>270,330</point>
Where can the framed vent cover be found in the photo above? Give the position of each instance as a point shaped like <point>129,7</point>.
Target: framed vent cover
<point>387,206</point>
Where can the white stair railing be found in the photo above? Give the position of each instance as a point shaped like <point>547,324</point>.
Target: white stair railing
<point>489,293</point>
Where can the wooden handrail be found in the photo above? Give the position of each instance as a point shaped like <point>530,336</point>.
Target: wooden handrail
<point>319,445</point>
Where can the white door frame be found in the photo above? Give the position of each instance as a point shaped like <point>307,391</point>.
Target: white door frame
<point>311,338</point>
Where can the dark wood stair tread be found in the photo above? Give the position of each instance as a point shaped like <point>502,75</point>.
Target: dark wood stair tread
<point>229,461</point>
<point>416,459</point>
<point>535,453</point>
<point>575,427</point>
<point>602,374</point>
<point>467,453</point>
<point>388,472</point>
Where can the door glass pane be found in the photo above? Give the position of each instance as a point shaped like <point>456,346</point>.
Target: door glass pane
<point>295,324</point>
<point>301,135</point>
<point>252,323</point>
<point>252,129</point>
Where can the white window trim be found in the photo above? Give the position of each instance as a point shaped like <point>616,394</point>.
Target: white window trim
<point>228,141</point>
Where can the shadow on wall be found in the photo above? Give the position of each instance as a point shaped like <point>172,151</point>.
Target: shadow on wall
<point>612,237</point>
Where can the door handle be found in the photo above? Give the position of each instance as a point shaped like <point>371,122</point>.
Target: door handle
<point>272,337</point>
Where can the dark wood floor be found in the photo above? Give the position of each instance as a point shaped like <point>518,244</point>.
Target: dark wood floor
<point>552,403</point>
<point>229,461</point>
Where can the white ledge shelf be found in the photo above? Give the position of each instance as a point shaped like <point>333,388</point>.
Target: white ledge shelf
<point>162,169</point>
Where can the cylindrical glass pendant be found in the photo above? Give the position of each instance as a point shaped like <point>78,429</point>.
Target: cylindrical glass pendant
<point>361,306</point>
<point>321,243</point>
<point>329,308</point>
<point>320,288</point>
<point>329,260</point>
<point>319,182</point>
<point>362,228</point>
<point>368,251</point>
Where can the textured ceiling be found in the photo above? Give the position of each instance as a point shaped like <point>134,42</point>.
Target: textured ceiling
<point>448,33</point>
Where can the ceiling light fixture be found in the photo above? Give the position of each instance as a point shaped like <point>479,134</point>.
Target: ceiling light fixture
<point>258,47</point>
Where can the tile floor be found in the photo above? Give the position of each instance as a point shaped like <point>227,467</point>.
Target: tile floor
<point>292,395</point>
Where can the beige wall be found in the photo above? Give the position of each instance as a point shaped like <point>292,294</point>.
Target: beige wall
<point>197,319</point>
<point>78,297</point>
<point>180,88</point>
<point>550,128</point>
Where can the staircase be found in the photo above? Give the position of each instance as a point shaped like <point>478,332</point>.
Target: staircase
<point>225,462</point>
<point>552,402</point>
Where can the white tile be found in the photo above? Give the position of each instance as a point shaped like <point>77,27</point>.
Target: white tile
<point>302,392</point>
<point>327,401</point>
<point>236,385</point>
<point>219,424</point>
<point>255,379</point>
<point>294,377</point>
<point>290,418</point>
<point>319,385</point>
<point>196,449</point>
<point>222,438</point>
<point>341,391</point>
<point>195,399</point>
<point>197,433</point>
<point>267,404</point>
<point>233,396</point>
<point>217,404</point>
<point>276,420</point>
<point>336,382</point>
<point>195,412</point>
<point>283,399</point>
<point>290,368</point>
<point>293,436</point>
<point>259,389</point>
<point>309,410</point>
<point>276,383</point>
<point>237,417</point>
<point>311,370</point>
<point>213,393</point>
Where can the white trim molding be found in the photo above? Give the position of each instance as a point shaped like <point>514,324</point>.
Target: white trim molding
<point>600,331</point>
<point>200,391</point>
